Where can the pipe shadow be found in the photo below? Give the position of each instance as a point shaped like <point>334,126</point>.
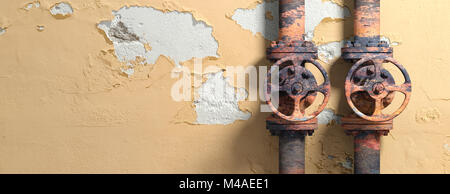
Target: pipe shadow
<point>255,149</point>
<point>334,146</point>
<point>328,151</point>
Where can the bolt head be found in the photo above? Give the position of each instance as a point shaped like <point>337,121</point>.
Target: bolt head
<point>349,44</point>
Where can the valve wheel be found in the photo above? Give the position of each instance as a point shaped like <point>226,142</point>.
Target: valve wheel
<point>378,88</point>
<point>298,88</point>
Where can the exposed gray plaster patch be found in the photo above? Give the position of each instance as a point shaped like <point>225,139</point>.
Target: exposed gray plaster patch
<point>63,9</point>
<point>174,34</point>
<point>391,43</point>
<point>128,71</point>
<point>40,28</point>
<point>2,30</point>
<point>330,51</point>
<point>317,10</point>
<point>256,21</point>
<point>327,116</point>
<point>216,101</point>
<point>32,5</point>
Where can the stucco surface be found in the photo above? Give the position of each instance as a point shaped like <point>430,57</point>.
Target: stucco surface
<point>68,106</point>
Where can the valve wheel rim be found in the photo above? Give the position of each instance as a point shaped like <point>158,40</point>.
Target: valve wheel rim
<point>324,88</point>
<point>404,88</point>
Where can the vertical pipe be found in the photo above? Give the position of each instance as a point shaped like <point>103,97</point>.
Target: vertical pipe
<point>367,21</point>
<point>292,20</point>
<point>292,153</point>
<point>367,153</point>
<point>292,143</point>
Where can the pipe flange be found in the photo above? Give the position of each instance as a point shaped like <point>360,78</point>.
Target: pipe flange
<point>281,49</point>
<point>362,49</point>
<point>355,125</point>
<point>277,125</point>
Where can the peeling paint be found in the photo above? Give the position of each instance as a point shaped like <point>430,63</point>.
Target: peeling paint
<point>317,10</point>
<point>40,28</point>
<point>256,19</point>
<point>427,115</point>
<point>35,4</point>
<point>61,9</point>
<point>263,19</point>
<point>128,71</point>
<point>327,116</point>
<point>174,34</point>
<point>388,40</point>
<point>330,51</point>
<point>95,113</point>
<point>216,101</point>
<point>2,31</point>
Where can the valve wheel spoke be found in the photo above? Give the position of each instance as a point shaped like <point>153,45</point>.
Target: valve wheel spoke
<point>404,88</point>
<point>320,88</point>
<point>275,87</point>
<point>378,64</point>
<point>298,113</point>
<point>355,88</point>
<point>378,107</point>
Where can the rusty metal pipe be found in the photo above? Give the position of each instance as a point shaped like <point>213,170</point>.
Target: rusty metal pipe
<point>367,153</point>
<point>367,21</point>
<point>292,153</point>
<point>291,143</point>
<point>289,120</point>
<point>368,95</point>
<point>292,20</point>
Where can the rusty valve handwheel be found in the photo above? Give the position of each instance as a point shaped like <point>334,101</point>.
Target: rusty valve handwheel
<point>378,88</point>
<point>299,87</point>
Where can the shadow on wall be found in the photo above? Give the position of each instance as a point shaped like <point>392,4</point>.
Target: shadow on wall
<point>329,150</point>
<point>332,150</point>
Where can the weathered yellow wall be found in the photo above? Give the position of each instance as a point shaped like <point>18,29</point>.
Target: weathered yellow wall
<point>65,106</point>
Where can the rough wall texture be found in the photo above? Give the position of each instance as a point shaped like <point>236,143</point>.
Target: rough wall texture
<point>85,86</point>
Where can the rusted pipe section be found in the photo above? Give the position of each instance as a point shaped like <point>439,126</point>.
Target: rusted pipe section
<point>297,87</point>
<point>367,21</point>
<point>291,32</point>
<point>370,88</point>
<point>367,153</point>
<point>292,20</point>
<point>292,153</point>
